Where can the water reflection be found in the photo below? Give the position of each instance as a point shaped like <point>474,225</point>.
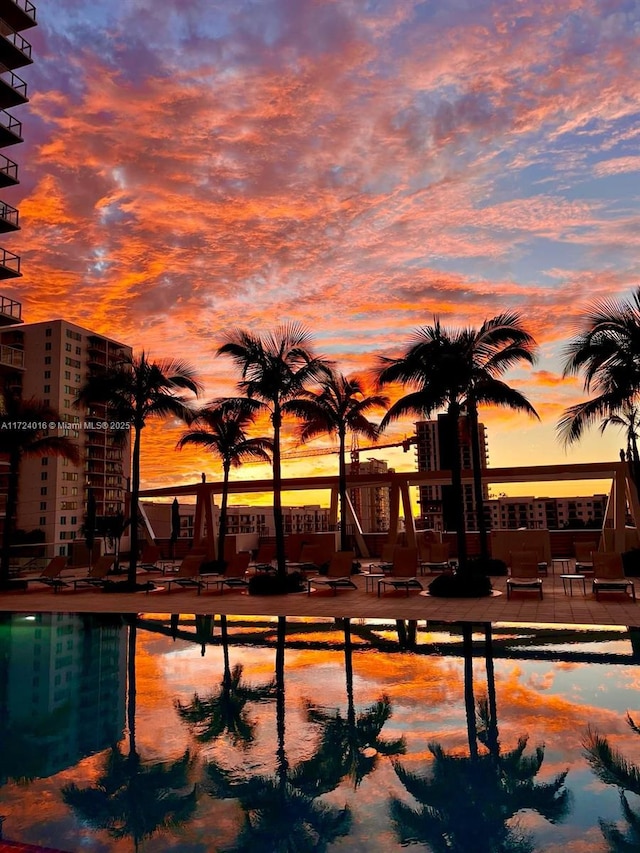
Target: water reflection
<point>316,735</point>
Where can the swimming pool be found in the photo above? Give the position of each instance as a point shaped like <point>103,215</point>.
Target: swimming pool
<point>177,733</point>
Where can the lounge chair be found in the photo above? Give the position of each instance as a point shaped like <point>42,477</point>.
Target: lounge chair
<point>434,557</point>
<point>609,574</point>
<point>188,573</point>
<point>584,556</point>
<point>97,573</point>
<point>338,574</point>
<point>234,576</point>
<point>524,573</point>
<point>150,558</point>
<point>264,558</point>
<point>404,572</point>
<point>51,574</point>
<point>385,564</point>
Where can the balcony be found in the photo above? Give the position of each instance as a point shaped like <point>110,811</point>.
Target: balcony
<point>9,265</point>
<point>9,218</point>
<point>10,130</point>
<point>10,311</point>
<point>19,14</point>
<point>11,357</point>
<point>13,90</point>
<point>8,172</point>
<point>15,51</point>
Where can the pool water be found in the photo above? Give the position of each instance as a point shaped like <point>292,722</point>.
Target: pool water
<point>176,733</point>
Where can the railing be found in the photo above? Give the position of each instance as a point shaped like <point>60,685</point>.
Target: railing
<point>9,214</point>
<point>10,261</point>
<point>16,83</point>
<point>26,6</point>
<point>8,168</point>
<point>11,357</point>
<point>16,40</point>
<point>11,123</point>
<point>10,308</point>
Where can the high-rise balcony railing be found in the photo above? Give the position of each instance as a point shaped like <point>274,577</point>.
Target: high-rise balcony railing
<point>8,172</point>
<point>15,51</point>
<point>10,129</point>
<point>10,311</point>
<point>13,89</point>
<point>9,265</point>
<point>9,218</point>
<point>11,357</point>
<point>19,14</point>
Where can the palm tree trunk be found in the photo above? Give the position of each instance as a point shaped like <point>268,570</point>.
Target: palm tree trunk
<point>477,480</point>
<point>224,636</point>
<point>131,693</point>
<point>492,734</point>
<point>348,672</point>
<point>469,699</point>
<point>135,493</point>
<point>342,489</point>
<point>10,511</point>
<point>456,485</point>
<point>223,516</point>
<point>281,758</point>
<point>277,494</point>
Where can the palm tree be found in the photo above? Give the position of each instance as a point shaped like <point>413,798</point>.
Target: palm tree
<point>338,408</point>
<point>275,370</point>
<point>612,768</point>
<point>136,389</point>
<point>607,352</point>
<point>34,440</point>
<point>221,428</point>
<point>460,370</point>
<point>628,420</point>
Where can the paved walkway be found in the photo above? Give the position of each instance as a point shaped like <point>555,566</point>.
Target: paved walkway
<point>555,608</point>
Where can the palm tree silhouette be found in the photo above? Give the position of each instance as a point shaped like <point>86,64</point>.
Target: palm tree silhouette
<point>466,801</point>
<point>612,768</point>
<point>607,353</point>
<point>275,370</point>
<point>136,389</point>
<point>338,408</point>
<point>350,746</point>
<point>131,798</point>
<point>225,711</point>
<point>221,428</point>
<point>279,816</point>
<point>460,370</point>
<point>18,443</point>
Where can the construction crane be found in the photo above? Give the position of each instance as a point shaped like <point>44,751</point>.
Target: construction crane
<point>405,443</point>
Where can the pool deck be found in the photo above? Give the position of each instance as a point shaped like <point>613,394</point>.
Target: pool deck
<point>525,606</point>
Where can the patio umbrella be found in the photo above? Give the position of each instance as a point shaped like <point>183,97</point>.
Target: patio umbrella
<point>90,523</point>
<point>175,523</point>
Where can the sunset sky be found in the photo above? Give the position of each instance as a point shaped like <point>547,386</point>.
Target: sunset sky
<point>357,166</point>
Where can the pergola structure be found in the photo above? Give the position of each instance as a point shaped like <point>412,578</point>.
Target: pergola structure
<point>623,494</point>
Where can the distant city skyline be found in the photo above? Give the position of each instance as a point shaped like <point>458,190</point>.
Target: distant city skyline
<point>356,167</point>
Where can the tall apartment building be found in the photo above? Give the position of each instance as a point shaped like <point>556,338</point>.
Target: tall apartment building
<point>372,503</point>
<point>15,52</point>
<point>58,358</point>
<point>433,450</point>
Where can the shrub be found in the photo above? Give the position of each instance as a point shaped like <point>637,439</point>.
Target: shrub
<point>460,586</point>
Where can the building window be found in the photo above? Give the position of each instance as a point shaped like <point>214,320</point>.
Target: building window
<point>44,475</point>
<point>47,333</point>
<point>67,375</point>
<point>43,520</point>
<point>74,519</point>
<point>63,519</point>
<point>43,505</point>
<point>47,374</point>
<point>43,491</point>
<point>68,348</point>
<point>44,460</point>
<point>46,389</point>
<point>47,359</point>
<point>78,351</point>
<point>47,346</point>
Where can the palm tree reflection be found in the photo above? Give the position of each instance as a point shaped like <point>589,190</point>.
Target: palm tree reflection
<point>612,768</point>
<point>131,798</point>
<point>469,802</point>
<point>350,746</point>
